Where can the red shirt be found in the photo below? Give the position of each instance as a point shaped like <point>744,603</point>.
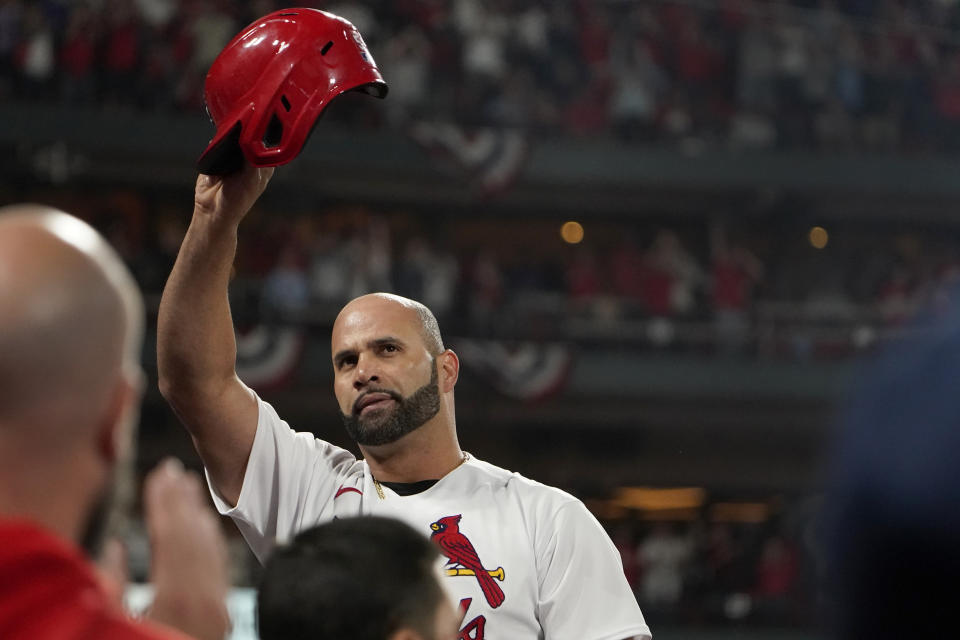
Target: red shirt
<point>123,48</point>
<point>77,55</point>
<point>776,574</point>
<point>48,591</point>
<point>583,279</point>
<point>656,286</point>
<point>731,286</point>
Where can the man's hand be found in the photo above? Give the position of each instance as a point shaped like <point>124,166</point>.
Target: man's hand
<point>229,198</point>
<point>112,570</point>
<point>188,554</point>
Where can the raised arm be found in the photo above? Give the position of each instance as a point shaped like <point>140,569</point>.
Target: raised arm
<point>196,347</point>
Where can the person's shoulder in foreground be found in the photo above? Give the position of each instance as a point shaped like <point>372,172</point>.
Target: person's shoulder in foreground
<point>71,332</point>
<point>890,523</point>
<point>49,590</point>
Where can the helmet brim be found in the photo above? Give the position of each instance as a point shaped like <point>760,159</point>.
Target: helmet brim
<point>223,155</point>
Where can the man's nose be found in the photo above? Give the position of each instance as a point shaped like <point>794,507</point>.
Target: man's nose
<point>365,373</point>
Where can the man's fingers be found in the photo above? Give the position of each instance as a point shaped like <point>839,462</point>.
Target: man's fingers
<point>173,497</point>
<point>113,571</point>
<point>205,182</point>
<point>265,173</point>
<point>253,178</point>
<point>160,480</point>
<point>167,493</point>
<point>187,545</point>
<point>229,198</point>
<point>113,559</point>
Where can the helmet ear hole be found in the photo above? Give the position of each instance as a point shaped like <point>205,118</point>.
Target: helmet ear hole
<point>326,48</point>
<point>285,102</point>
<point>274,133</point>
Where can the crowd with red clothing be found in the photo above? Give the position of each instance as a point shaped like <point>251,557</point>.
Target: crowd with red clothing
<point>735,286</point>
<point>719,571</point>
<point>828,74</point>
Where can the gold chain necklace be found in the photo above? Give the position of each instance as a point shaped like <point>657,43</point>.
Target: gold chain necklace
<point>379,487</point>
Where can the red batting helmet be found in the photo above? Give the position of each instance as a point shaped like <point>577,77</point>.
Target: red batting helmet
<point>268,86</point>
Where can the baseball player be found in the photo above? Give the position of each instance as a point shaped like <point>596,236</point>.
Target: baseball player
<point>524,561</point>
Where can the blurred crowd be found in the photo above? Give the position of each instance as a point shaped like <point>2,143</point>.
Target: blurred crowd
<point>699,285</point>
<point>711,572</point>
<point>876,75</point>
<point>702,288</point>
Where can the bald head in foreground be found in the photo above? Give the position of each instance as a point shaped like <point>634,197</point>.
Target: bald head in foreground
<point>71,331</point>
<point>71,327</point>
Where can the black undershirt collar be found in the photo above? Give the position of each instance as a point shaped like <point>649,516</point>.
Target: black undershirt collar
<point>409,488</point>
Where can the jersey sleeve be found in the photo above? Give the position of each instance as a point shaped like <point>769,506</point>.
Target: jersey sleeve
<point>289,483</point>
<point>584,594</point>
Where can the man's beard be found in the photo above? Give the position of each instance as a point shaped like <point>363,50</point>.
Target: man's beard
<point>94,532</point>
<point>384,426</point>
<point>109,515</point>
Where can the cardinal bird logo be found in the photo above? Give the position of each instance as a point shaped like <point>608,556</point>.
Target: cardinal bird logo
<point>462,558</point>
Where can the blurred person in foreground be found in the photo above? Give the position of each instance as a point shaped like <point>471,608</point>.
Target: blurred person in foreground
<point>360,578</point>
<point>526,561</point>
<point>891,517</point>
<point>71,330</point>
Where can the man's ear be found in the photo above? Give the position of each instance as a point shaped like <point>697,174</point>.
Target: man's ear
<point>449,365</point>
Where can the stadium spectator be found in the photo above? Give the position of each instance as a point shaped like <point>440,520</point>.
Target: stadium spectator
<point>740,74</point>
<point>36,55</point>
<point>663,555</point>
<point>286,289</point>
<point>776,579</point>
<point>122,51</point>
<point>734,271</point>
<point>71,332</point>
<point>78,52</point>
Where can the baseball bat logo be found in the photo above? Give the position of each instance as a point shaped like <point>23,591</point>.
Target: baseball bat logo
<point>462,558</point>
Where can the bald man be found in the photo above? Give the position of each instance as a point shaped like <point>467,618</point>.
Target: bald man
<point>525,561</point>
<point>71,330</point>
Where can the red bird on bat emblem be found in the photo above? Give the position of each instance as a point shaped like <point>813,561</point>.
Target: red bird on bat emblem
<point>459,551</point>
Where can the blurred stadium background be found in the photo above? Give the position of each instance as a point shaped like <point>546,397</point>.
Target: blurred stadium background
<point>659,233</point>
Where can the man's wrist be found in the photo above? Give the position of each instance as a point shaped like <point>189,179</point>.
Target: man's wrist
<point>216,223</point>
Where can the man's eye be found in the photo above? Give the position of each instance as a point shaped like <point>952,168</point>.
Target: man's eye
<point>347,362</point>
<point>389,348</point>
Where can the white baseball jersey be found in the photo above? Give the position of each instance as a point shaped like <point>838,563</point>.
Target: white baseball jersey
<point>529,561</point>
